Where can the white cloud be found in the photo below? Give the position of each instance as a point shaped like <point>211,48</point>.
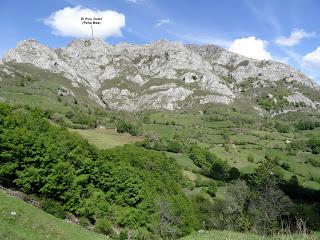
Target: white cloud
<point>162,22</point>
<point>312,60</point>
<point>295,37</point>
<point>67,22</point>
<point>251,47</point>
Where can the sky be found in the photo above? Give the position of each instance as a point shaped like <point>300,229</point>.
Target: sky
<point>282,30</point>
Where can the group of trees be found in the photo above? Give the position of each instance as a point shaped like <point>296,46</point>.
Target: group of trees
<point>162,144</point>
<point>139,189</point>
<point>127,187</point>
<point>211,165</point>
<point>260,202</point>
<point>127,127</point>
<point>307,124</point>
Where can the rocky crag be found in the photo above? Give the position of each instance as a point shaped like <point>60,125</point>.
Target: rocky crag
<point>167,75</point>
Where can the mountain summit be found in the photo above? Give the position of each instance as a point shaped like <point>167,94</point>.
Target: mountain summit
<point>166,75</point>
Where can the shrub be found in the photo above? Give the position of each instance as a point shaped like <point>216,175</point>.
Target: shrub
<point>219,170</point>
<point>307,125</point>
<point>282,127</point>
<point>314,144</point>
<point>104,226</point>
<point>212,189</point>
<point>251,158</point>
<point>54,208</point>
<point>234,173</point>
<point>265,103</point>
<point>123,126</point>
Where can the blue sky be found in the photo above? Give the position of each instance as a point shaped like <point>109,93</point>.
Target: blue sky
<point>286,30</point>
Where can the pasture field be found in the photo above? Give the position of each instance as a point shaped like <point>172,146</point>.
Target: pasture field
<point>19,220</point>
<point>242,145</point>
<point>106,138</point>
<point>227,235</point>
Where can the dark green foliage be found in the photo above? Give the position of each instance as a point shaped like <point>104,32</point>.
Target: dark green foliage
<point>212,189</point>
<point>202,158</point>
<point>54,208</point>
<point>273,103</point>
<point>211,165</point>
<point>123,126</point>
<point>146,119</point>
<point>251,158</point>
<point>220,170</point>
<point>234,173</point>
<point>104,226</point>
<point>176,217</point>
<point>265,103</point>
<point>314,144</point>
<point>162,144</point>
<point>72,176</point>
<point>258,204</point>
<point>307,125</point>
<point>282,127</point>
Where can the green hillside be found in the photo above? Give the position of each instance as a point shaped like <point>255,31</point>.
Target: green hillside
<point>227,235</point>
<point>29,222</point>
<point>106,138</point>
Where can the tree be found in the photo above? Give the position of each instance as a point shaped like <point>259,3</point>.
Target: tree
<point>219,170</point>
<point>269,203</point>
<point>234,173</point>
<point>59,180</point>
<point>212,189</point>
<point>315,145</point>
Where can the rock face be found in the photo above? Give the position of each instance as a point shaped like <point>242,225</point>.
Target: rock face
<point>160,75</point>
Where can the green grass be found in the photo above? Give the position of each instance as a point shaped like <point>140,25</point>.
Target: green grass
<point>179,119</point>
<point>41,90</point>
<point>209,131</point>
<point>106,138</point>
<point>31,223</point>
<point>184,161</point>
<point>42,102</point>
<point>162,130</point>
<point>227,235</point>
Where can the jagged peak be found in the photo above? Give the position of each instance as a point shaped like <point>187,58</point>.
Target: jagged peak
<point>87,42</point>
<point>165,43</point>
<point>30,43</point>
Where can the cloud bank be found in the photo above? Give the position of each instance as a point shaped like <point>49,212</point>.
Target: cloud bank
<point>67,22</point>
<point>295,37</point>
<point>251,47</point>
<point>312,59</point>
<point>162,22</point>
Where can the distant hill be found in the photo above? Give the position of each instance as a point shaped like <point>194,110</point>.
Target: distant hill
<point>162,75</point>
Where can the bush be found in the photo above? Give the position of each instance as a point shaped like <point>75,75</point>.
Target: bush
<point>104,226</point>
<point>307,125</point>
<point>234,173</point>
<point>54,208</point>
<point>251,158</point>
<point>282,127</point>
<point>219,170</point>
<point>212,189</point>
<point>285,166</point>
<point>265,103</point>
<point>314,144</point>
<point>123,126</point>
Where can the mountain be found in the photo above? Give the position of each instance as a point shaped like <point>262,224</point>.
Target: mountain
<point>162,75</point>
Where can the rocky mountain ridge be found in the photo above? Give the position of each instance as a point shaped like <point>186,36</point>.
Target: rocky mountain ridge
<point>167,75</point>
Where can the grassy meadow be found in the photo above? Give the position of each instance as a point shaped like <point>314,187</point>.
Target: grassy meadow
<point>21,221</point>
<point>106,138</point>
<point>244,145</point>
<point>228,235</point>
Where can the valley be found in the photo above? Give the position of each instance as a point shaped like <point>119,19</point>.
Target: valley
<point>159,141</point>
